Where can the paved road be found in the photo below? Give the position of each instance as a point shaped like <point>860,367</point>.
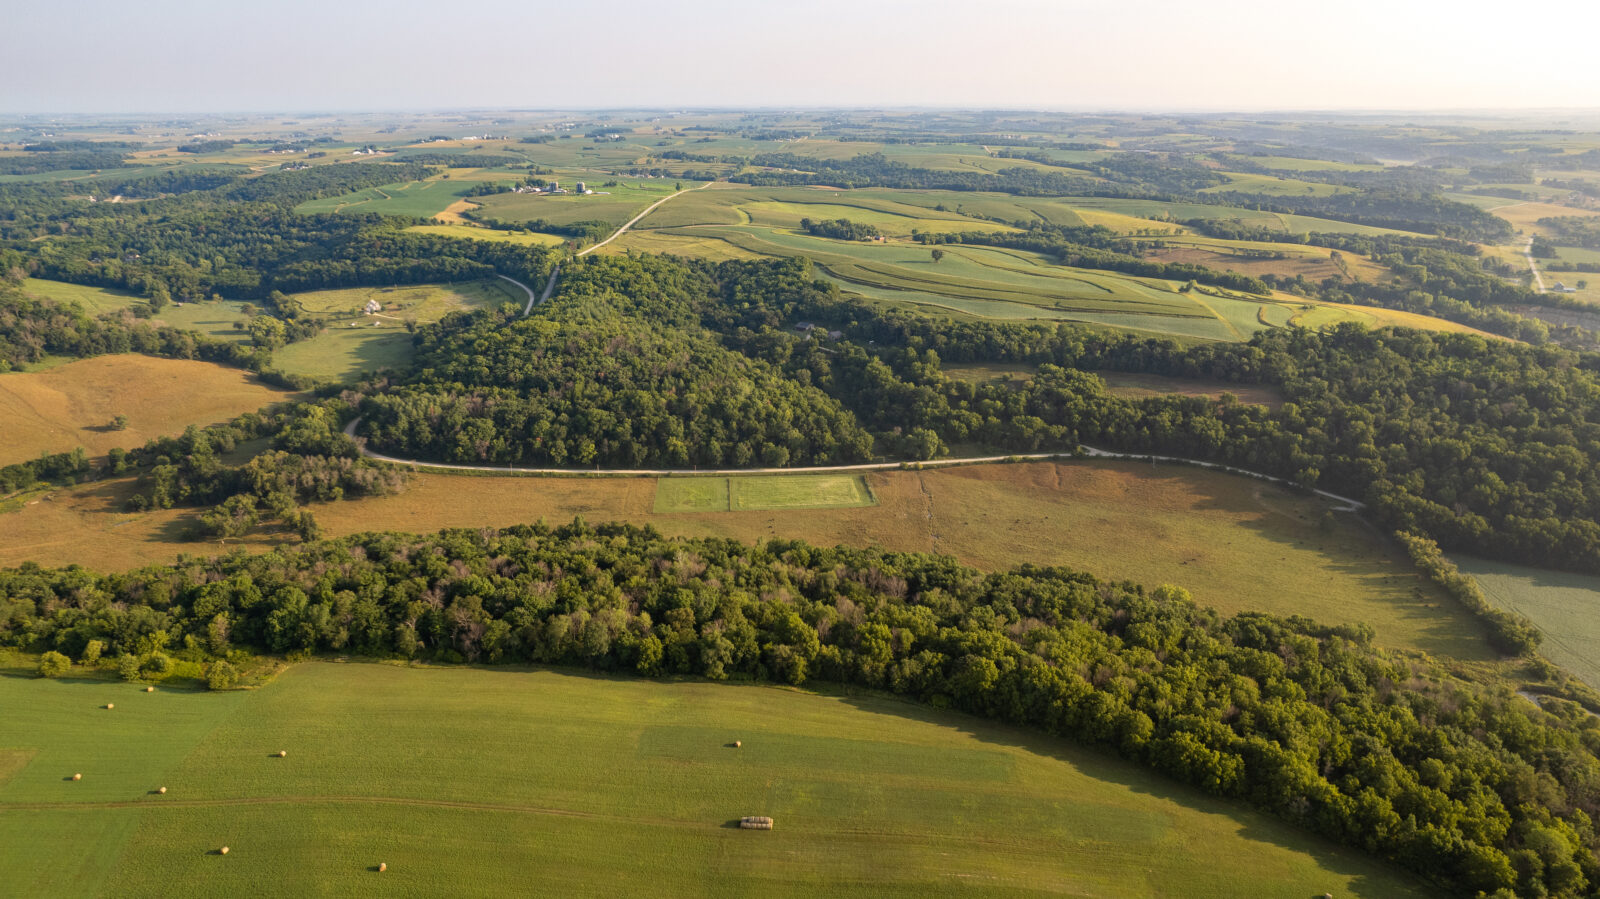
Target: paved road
<point>1538,279</point>
<point>1346,504</point>
<point>635,220</point>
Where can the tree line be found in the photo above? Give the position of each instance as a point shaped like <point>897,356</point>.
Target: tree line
<point>1471,787</point>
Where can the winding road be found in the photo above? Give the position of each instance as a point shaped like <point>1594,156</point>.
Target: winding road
<point>635,220</point>
<point>1346,504</point>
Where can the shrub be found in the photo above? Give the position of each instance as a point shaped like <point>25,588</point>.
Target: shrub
<point>92,651</point>
<point>156,664</point>
<point>221,676</point>
<point>54,664</point>
<point>128,666</point>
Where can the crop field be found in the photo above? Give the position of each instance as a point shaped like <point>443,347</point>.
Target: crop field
<point>421,303</point>
<point>1294,164</point>
<point>1565,606</point>
<point>591,785</point>
<point>212,318</point>
<point>1275,186</point>
<point>343,352</point>
<point>411,198</point>
<point>617,205</point>
<point>469,232</point>
<point>67,406</point>
<point>1016,285</point>
<point>1525,216</point>
<point>761,493</point>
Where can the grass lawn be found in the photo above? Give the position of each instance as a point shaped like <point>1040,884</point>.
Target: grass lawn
<point>67,406</point>
<point>502,781</point>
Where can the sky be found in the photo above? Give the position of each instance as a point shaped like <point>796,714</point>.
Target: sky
<point>117,56</point>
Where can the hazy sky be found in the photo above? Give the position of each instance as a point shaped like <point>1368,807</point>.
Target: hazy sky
<point>298,55</point>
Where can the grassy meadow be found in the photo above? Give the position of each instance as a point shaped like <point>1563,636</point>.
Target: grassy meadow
<point>355,343</point>
<point>1565,606</point>
<point>215,319</point>
<point>420,199</point>
<point>585,785</point>
<point>345,351</point>
<point>1236,543</point>
<point>67,406</point>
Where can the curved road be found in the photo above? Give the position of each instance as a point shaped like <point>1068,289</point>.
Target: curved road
<point>525,288</point>
<point>1346,504</point>
<point>635,220</point>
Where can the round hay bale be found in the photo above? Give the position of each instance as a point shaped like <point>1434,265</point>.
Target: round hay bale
<point>738,744</point>
<point>110,706</point>
<point>149,689</point>
<point>382,866</point>
<point>223,850</point>
<point>77,777</point>
<point>283,753</point>
<point>162,791</point>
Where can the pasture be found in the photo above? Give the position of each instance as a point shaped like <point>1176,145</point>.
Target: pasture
<point>213,318</point>
<point>589,785</point>
<point>1237,544</point>
<point>355,343</point>
<point>1565,606</point>
<point>420,303</point>
<point>345,351</point>
<point>67,406</point>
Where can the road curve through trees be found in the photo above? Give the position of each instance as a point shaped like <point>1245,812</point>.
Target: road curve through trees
<point>1345,503</point>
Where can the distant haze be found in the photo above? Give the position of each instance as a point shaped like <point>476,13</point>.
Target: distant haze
<point>186,55</point>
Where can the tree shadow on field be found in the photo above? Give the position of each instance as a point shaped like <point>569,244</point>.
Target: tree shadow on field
<point>1367,876</point>
<point>1344,544</point>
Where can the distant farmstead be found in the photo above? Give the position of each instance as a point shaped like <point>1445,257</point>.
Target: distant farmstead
<point>373,307</point>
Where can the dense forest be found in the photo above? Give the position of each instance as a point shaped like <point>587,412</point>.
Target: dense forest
<point>1472,788</point>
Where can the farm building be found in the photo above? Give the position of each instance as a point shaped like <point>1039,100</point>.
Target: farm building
<point>373,307</point>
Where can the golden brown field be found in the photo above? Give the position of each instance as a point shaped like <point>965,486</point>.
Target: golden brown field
<point>1235,543</point>
<point>62,408</point>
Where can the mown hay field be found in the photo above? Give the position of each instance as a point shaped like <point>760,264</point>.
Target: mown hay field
<point>67,406</point>
<point>345,351</point>
<point>759,493</point>
<point>592,785</point>
<point>1565,606</point>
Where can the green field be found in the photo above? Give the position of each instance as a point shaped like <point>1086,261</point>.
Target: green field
<point>1565,606</point>
<point>761,493</point>
<point>470,232</point>
<point>342,353</point>
<point>420,199</point>
<point>212,318</point>
<point>420,303</point>
<point>618,203</point>
<point>493,782</point>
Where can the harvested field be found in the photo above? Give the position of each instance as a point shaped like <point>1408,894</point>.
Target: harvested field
<point>631,791</point>
<point>71,405</point>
